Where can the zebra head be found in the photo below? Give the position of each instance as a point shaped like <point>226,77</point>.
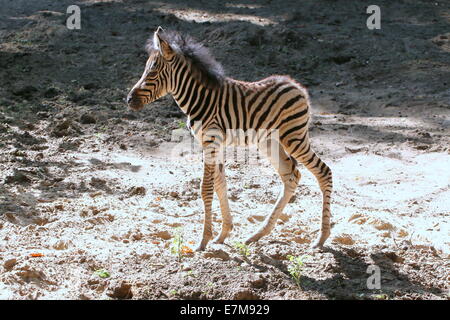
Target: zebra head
<point>154,82</point>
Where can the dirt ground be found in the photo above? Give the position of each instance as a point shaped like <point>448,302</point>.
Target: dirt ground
<point>93,196</point>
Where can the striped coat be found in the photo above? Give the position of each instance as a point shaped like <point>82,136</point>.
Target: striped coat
<point>273,113</point>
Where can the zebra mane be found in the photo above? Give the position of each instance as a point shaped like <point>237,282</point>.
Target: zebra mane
<point>200,57</point>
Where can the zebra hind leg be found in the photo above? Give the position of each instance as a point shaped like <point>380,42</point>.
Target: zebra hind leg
<point>287,169</point>
<point>304,154</point>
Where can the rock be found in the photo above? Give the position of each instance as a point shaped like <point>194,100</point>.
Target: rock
<point>97,182</point>
<point>175,114</point>
<point>18,177</point>
<point>28,139</point>
<point>120,290</point>
<point>43,114</point>
<point>81,96</point>
<point>71,145</point>
<point>9,264</point>
<point>28,275</point>
<point>258,218</point>
<point>425,135</point>
<point>301,240</point>
<point>165,235</point>
<point>61,244</point>
<point>86,118</point>
<point>382,225</point>
<point>51,93</point>
<point>256,37</point>
<point>26,92</point>
<point>344,239</point>
<point>90,86</point>
<point>341,59</point>
<point>422,147</point>
<point>137,236</point>
<point>137,191</point>
<point>352,253</point>
<point>217,254</point>
<point>129,116</point>
<point>27,126</point>
<point>3,127</point>
<point>258,283</point>
<point>246,295</point>
<point>61,128</point>
<point>394,257</point>
<point>59,206</point>
<point>355,150</point>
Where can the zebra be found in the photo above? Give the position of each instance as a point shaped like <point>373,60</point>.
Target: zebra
<point>184,68</point>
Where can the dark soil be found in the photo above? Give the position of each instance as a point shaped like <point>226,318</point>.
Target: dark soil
<point>88,185</point>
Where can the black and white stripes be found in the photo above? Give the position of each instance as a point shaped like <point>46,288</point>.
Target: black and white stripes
<point>216,105</point>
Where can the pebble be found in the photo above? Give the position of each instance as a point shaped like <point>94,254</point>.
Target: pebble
<point>120,290</point>
<point>446,123</point>
<point>9,264</point>
<point>219,254</point>
<point>87,119</point>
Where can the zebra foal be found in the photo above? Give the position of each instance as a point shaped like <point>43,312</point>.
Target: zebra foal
<point>215,105</point>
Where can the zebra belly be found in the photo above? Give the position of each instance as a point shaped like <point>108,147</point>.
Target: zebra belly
<point>239,137</point>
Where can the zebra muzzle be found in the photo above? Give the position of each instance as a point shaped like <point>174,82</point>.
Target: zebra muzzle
<point>134,103</point>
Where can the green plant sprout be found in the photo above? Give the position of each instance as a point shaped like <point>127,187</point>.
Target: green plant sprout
<point>181,124</point>
<point>242,248</point>
<point>209,287</point>
<point>177,244</point>
<point>191,273</point>
<point>295,267</point>
<point>102,273</point>
<point>382,296</point>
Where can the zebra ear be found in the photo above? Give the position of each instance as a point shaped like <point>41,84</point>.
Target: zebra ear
<point>161,45</point>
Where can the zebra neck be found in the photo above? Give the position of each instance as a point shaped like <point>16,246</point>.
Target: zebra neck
<point>192,96</point>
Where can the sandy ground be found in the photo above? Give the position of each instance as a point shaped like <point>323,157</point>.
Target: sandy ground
<point>93,196</point>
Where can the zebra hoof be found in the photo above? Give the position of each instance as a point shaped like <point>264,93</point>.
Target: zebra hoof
<point>201,247</point>
<point>252,239</point>
<point>317,245</point>
<point>218,240</point>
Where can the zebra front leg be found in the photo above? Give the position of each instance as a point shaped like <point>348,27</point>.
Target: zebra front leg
<point>211,141</point>
<point>220,186</point>
<point>207,190</point>
<point>286,167</point>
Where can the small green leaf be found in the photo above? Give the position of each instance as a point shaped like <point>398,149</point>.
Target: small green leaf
<point>242,248</point>
<point>382,296</point>
<point>102,273</point>
<point>295,267</point>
